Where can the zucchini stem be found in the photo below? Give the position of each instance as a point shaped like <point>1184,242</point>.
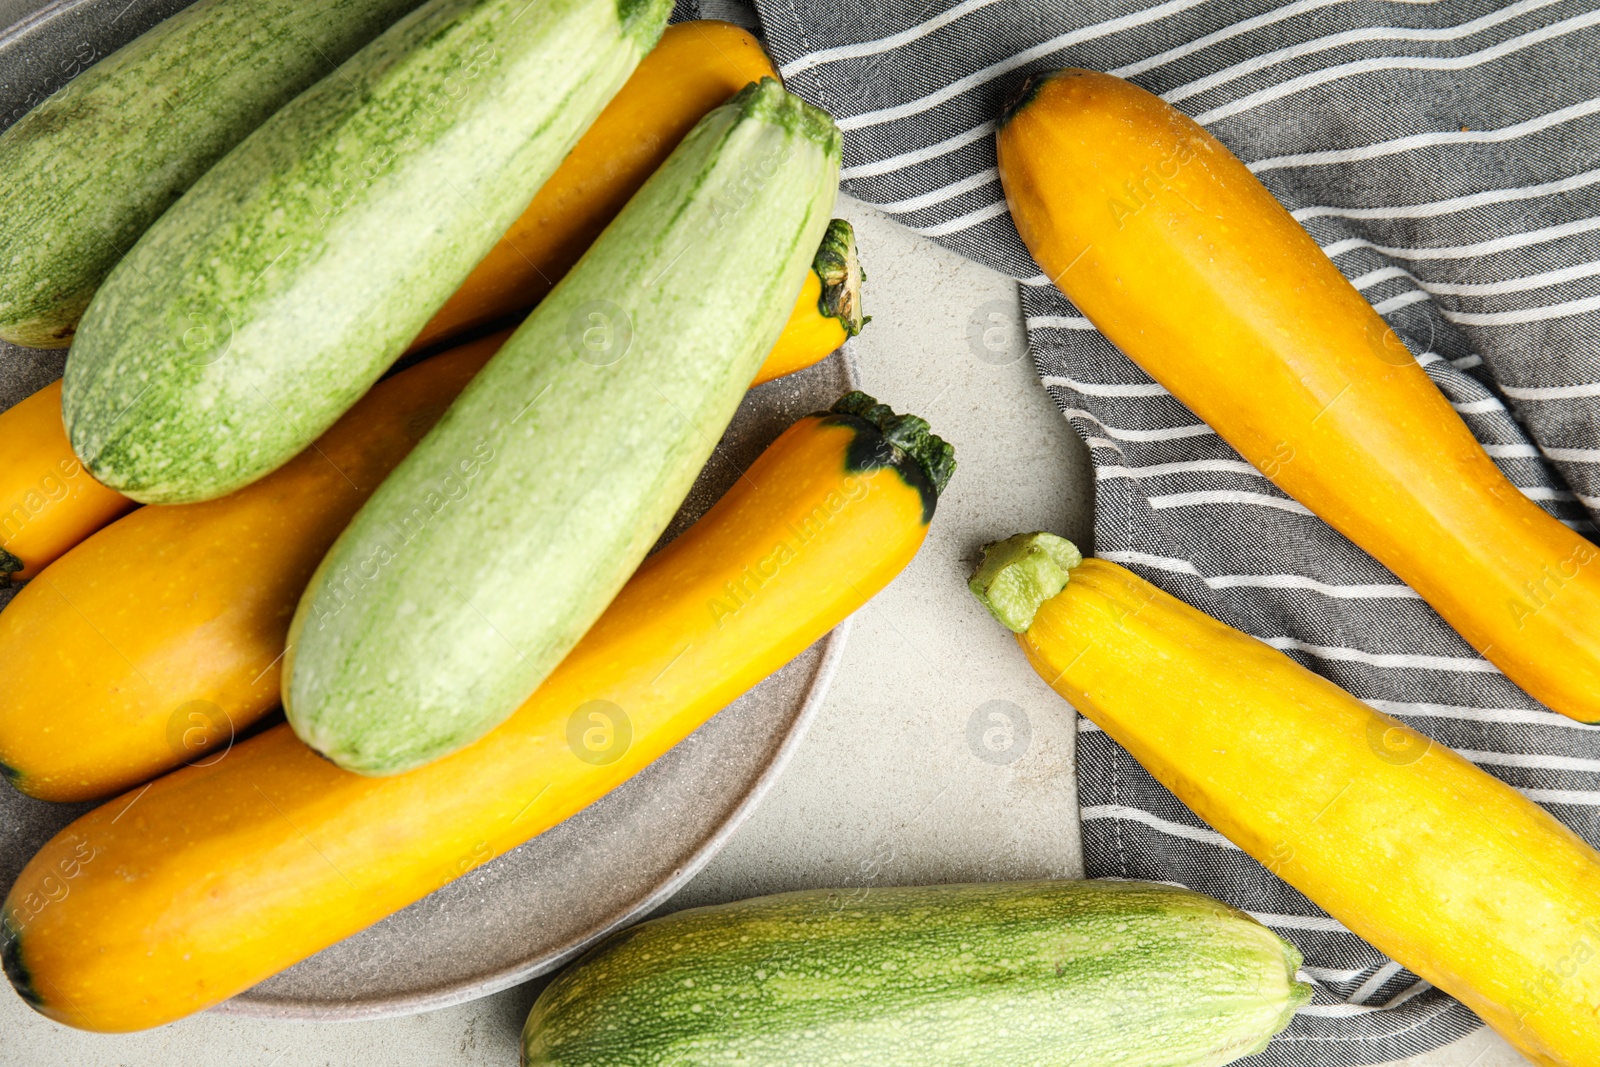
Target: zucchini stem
<point>9,564</point>
<point>909,433</point>
<point>1020,573</point>
<point>839,268</point>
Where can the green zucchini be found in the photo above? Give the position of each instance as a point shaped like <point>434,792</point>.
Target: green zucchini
<point>491,549</point>
<point>264,303</point>
<point>1087,974</point>
<point>90,168</point>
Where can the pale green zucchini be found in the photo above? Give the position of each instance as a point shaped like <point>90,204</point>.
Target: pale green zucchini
<point>498,541</point>
<point>90,168</point>
<point>283,283</point>
<point>1027,974</point>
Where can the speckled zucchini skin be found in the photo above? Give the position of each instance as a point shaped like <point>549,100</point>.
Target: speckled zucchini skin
<point>90,168</point>
<point>1024,974</point>
<point>492,548</point>
<point>282,284</point>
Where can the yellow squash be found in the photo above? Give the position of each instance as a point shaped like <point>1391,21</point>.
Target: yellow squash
<point>158,638</point>
<point>828,312</point>
<point>694,68</point>
<point>1442,866</point>
<point>1182,258</point>
<point>164,902</point>
<point>48,502</point>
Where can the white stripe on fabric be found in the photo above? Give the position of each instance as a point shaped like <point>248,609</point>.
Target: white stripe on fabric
<point>1395,303</point>
<point>940,195</point>
<point>1159,470</point>
<point>1529,760</point>
<point>1383,659</point>
<point>1370,34</point>
<point>1111,472</point>
<point>1573,455</point>
<point>1339,1011</point>
<point>1575,797</point>
<point>1367,66</point>
<point>1228,496</point>
<point>1199,44</point>
<point>1551,392</point>
<point>1145,559</point>
<point>1260,581</point>
<point>1454,203</point>
<point>1328,974</point>
<point>1108,388</point>
<point>1155,822</point>
<point>1102,442</point>
<point>1296,581</point>
<point>1298,922</point>
<point>1575,272</point>
<point>1167,433</point>
<point>1512,451</point>
<point>962,222</point>
<point>1021,59</point>
<point>1058,322</point>
<point>1428,140</point>
<point>1514,318</point>
<point>1506,716</point>
<point>1375,983</point>
<point>1541,492</point>
<point>884,44</point>
<point>1478,407</point>
<point>1472,251</point>
<point>918,155</point>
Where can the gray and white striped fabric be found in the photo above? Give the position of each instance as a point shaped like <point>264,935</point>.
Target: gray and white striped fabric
<point>1446,156</point>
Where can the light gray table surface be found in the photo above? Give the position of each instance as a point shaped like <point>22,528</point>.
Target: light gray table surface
<point>886,788</point>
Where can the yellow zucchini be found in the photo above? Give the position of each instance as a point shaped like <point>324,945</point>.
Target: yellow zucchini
<point>220,875</point>
<point>828,312</point>
<point>1182,258</point>
<point>1442,866</point>
<point>157,640</point>
<point>48,502</point>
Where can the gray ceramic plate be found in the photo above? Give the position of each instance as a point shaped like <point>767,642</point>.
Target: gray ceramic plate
<point>527,911</point>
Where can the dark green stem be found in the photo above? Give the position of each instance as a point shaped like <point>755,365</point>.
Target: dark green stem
<point>839,267</point>
<point>1020,573</point>
<point>9,564</point>
<point>910,434</point>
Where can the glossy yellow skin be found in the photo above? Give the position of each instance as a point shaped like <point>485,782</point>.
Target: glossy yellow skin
<point>48,501</point>
<point>807,337</point>
<point>161,903</point>
<point>694,68</point>
<point>1438,864</point>
<point>153,642</point>
<point>1186,262</point>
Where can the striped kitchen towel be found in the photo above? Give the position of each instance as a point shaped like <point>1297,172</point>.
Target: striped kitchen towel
<point>1446,155</point>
